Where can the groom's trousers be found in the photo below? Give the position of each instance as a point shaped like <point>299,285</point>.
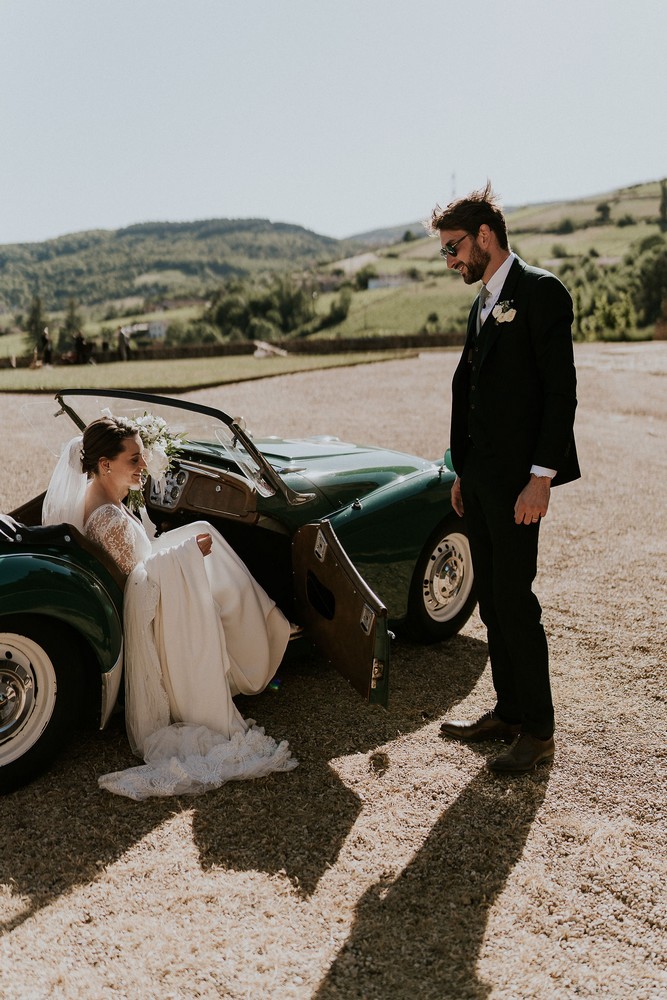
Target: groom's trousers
<point>504,556</point>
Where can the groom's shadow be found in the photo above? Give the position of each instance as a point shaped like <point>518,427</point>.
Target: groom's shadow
<point>61,830</point>
<point>298,823</point>
<point>421,935</point>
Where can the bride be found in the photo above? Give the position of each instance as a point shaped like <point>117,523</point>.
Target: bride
<point>198,628</point>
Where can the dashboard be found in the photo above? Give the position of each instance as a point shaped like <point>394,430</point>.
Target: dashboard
<point>189,486</point>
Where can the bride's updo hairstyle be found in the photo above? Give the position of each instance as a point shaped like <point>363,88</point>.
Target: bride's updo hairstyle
<point>104,438</point>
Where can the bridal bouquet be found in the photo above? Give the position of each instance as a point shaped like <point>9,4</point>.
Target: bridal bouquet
<point>160,447</point>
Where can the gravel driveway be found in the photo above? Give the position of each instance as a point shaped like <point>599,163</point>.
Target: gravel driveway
<point>391,864</point>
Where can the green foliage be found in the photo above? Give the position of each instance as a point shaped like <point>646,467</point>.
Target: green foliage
<point>71,326</point>
<point>339,308</point>
<point>612,302</point>
<point>275,307</point>
<point>156,260</point>
<point>648,243</point>
<point>565,226</point>
<point>603,209</point>
<point>292,301</point>
<point>35,322</point>
<point>662,211</point>
<point>610,319</point>
<point>262,329</point>
<point>650,293</point>
<point>432,324</point>
<point>363,276</point>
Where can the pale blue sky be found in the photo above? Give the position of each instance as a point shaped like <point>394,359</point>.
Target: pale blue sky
<point>339,116</point>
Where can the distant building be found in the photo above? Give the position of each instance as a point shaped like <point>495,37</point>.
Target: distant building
<point>156,330</point>
<point>389,281</point>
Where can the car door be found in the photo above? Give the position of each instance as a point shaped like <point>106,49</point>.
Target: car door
<point>345,619</point>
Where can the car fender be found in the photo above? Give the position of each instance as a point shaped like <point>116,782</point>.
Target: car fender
<point>384,532</point>
<point>59,588</point>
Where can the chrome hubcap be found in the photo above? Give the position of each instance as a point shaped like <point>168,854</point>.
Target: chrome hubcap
<point>28,691</point>
<point>17,697</point>
<point>447,581</point>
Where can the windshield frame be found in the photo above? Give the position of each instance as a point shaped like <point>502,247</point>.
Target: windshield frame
<point>264,478</point>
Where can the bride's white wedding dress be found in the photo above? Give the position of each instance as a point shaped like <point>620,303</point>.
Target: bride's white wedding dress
<point>198,630</point>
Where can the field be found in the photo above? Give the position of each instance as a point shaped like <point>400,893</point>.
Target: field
<point>175,376</point>
<point>391,864</point>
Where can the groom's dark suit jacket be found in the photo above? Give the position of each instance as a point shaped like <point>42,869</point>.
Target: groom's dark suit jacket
<point>514,390</point>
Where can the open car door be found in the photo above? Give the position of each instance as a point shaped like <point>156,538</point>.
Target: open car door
<point>345,619</point>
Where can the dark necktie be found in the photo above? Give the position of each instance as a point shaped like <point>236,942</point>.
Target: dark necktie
<point>483,296</point>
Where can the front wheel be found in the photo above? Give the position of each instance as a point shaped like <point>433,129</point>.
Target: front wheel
<point>442,596</point>
<point>39,696</point>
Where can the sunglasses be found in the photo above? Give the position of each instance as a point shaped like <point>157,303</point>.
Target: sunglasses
<point>449,249</point>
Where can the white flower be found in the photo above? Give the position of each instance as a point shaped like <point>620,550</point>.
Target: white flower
<point>503,312</point>
<point>157,461</point>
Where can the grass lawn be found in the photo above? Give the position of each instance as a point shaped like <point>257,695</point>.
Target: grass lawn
<point>177,375</point>
<point>405,309</point>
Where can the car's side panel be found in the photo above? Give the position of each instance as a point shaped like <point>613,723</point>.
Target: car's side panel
<point>384,533</point>
<point>66,591</point>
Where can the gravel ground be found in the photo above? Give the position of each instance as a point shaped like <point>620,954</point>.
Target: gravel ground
<point>391,864</point>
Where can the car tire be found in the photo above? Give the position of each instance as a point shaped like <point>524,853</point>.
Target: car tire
<point>40,695</point>
<point>442,594</point>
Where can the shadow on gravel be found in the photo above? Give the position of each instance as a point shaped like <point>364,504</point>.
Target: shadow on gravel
<point>298,824</point>
<point>421,935</point>
<point>62,830</point>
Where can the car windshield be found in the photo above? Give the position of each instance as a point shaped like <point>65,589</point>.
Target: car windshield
<point>196,425</point>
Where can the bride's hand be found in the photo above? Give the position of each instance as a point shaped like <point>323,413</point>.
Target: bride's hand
<point>204,542</point>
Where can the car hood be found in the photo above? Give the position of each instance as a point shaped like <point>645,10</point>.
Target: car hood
<point>339,470</point>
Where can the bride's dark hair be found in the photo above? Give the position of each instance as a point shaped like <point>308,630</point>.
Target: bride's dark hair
<point>104,438</point>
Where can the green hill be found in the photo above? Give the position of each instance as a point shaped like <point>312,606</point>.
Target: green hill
<point>166,271</point>
<point>586,240</point>
<point>154,259</point>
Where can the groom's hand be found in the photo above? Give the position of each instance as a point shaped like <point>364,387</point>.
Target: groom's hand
<point>457,500</point>
<point>533,500</point>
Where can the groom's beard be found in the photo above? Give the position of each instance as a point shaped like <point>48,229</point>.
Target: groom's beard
<point>477,264</point>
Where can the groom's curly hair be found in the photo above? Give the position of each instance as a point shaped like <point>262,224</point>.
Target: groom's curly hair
<point>104,438</point>
<point>476,209</point>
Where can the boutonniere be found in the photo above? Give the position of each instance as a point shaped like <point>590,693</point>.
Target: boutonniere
<point>503,312</point>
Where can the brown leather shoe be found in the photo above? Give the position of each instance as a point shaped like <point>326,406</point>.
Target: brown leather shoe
<point>525,754</point>
<point>489,727</point>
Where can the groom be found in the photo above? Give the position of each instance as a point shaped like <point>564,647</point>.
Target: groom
<point>513,403</point>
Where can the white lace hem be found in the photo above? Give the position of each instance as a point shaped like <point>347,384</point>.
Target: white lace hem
<point>189,760</point>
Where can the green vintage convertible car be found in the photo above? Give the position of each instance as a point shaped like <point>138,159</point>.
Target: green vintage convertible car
<point>350,541</point>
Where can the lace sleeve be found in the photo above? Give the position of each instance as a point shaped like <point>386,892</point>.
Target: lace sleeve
<point>111,529</point>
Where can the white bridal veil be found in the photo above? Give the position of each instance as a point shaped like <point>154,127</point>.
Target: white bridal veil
<point>66,494</point>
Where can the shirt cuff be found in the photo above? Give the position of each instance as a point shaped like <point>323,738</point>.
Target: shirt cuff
<point>539,470</point>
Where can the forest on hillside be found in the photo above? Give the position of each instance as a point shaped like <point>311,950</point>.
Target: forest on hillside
<point>152,260</point>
